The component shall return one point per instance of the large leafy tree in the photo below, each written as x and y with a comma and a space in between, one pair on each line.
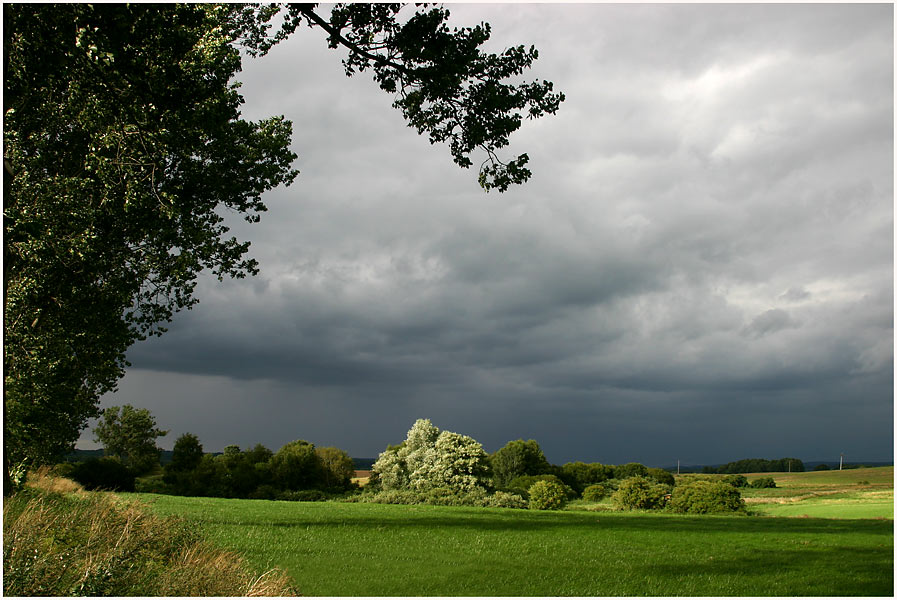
129, 434
123, 144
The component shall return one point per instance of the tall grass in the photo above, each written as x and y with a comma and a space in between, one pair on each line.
61, 541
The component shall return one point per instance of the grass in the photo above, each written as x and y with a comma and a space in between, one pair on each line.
342, 549
850, 494
59, 540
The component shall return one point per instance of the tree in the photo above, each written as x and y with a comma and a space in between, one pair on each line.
454, 461
296, 466
186, 454
123, 142
129, 434
337, 467
429, 459
517, 458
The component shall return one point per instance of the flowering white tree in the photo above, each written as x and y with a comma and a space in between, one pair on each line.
454, 461
429, 459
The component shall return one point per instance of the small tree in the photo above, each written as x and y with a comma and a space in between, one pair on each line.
763, 482
129, 434
547, 495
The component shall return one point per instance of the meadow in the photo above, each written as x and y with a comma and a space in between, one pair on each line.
343, 549
849, 494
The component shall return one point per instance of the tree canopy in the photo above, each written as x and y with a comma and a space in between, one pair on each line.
123, 144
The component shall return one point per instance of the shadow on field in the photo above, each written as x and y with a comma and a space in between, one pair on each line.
526, 521
871, 573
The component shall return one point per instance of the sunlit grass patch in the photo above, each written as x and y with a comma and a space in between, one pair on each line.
340, 549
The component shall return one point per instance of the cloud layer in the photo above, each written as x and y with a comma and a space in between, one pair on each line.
701, 267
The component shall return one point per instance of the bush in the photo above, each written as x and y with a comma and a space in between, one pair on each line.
706, 497
504, 500
595, 493
522, 485
96, 545
302, 496
104, 474
738, 481
640, 493
763, 482
660, 476
547, 495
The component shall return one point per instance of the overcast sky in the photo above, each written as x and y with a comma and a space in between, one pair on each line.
701, 268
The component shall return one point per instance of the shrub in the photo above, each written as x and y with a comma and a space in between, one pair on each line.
522, 485
503, 500
706, 497
640, 493
96, 545
630, 470
104, 474
660, 476
264, 492
302, 495
821, 467
547, 495
595, 493
738, 481
763, 482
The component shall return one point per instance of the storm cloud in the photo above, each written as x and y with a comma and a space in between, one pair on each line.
700, 269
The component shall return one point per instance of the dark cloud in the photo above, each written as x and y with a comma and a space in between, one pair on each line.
701, 268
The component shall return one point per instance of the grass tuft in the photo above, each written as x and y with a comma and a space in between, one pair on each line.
61, 541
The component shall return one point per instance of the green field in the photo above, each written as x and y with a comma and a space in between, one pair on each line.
340, 549
849, 494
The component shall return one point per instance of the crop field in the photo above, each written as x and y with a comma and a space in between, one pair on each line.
342, 549
849, 494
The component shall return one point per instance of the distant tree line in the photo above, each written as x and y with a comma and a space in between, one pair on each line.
298, 471
759, 465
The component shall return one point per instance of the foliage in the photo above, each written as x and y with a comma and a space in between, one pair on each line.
443, 84
430, 459
580, 475
186, 454
595, 492
522, 485
96, 545
104, 474
660, 476
123, 140
296, 466
123, 143
337, 467
129, 434
517, 458
547, 495
821, 467
706, 497
763, 482
630, 470
455, 461
759, 465
737, 480
640, 493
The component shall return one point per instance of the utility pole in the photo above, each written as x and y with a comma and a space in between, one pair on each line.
841, 464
